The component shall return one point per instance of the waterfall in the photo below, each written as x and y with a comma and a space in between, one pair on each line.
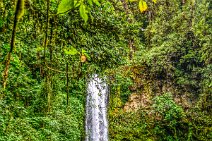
96, 110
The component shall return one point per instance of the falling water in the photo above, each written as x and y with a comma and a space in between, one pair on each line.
96, 110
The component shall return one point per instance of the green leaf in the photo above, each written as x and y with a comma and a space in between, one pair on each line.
96, 2
90, 2
77, 3
83, 12
1, 23
88, 57
65, 5
83, 51
71, 51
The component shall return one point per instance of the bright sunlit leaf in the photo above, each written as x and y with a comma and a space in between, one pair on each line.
83, 12
64, 6
96, 2
90, 2
142, 6
71, 51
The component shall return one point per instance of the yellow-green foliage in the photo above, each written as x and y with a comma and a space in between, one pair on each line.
19, 9
1, 4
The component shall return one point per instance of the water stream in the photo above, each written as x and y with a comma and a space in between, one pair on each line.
96, 110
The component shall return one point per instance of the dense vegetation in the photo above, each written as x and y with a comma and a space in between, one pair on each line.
158, 50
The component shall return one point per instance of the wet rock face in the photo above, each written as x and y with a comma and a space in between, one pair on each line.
137, 101
145, 87
184, 100
144, 101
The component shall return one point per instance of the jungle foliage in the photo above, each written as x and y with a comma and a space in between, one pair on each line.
158, 49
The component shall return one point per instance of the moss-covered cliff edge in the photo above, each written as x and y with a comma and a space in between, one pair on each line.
157, 109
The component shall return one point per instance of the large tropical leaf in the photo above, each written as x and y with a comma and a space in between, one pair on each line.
71, 51
65, 5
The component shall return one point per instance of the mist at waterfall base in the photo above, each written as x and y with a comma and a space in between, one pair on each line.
96, 110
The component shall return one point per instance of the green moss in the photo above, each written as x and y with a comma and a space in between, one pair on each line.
20, 9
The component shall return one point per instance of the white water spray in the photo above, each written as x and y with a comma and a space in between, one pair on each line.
96, 110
